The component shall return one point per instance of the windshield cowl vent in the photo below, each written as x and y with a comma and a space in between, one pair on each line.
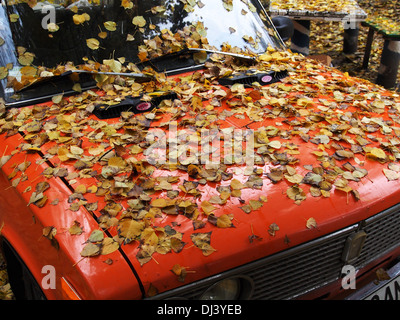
132, 104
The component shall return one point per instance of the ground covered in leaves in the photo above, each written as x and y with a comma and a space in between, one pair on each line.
327, 38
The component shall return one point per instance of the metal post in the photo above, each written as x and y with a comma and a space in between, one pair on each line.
301, 37
350, 39
390, 61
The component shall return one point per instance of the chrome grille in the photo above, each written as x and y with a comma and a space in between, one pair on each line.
301, 269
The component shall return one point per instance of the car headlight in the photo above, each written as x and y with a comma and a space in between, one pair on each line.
234, 288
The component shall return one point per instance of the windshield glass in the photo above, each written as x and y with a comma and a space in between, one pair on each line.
49, 34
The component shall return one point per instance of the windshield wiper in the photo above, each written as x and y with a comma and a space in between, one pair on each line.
185, 60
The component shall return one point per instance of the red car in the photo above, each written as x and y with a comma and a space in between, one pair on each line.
176, 150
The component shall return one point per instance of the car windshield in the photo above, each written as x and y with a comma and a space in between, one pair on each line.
49, 34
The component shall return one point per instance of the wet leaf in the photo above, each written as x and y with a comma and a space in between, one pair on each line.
391, 175
96, 236
108, 246
93, 43
75, 229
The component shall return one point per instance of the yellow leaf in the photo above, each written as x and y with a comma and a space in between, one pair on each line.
127, 4
224, 221
93, 43
117, 162
159, 203
207, 207
378, 153
311, 223
14, 17
236, 184
102, 35
76, 150
75, 229
109, 245
139, 21
78, 18
129, 228
114, 65
80, 189
110, 25
90, 250
3, 73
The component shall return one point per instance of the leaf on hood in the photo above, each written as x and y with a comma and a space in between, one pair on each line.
202, 241
130, 229
108, 245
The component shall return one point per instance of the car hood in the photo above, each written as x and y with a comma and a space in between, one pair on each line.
323, 157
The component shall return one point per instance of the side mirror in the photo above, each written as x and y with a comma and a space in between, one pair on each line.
284, 26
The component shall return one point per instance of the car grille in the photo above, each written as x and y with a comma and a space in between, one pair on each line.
301, 269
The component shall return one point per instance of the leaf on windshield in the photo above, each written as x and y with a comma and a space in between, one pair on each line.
157, 9
110, 25
114, 65
25, 58
93, 43
311, 223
